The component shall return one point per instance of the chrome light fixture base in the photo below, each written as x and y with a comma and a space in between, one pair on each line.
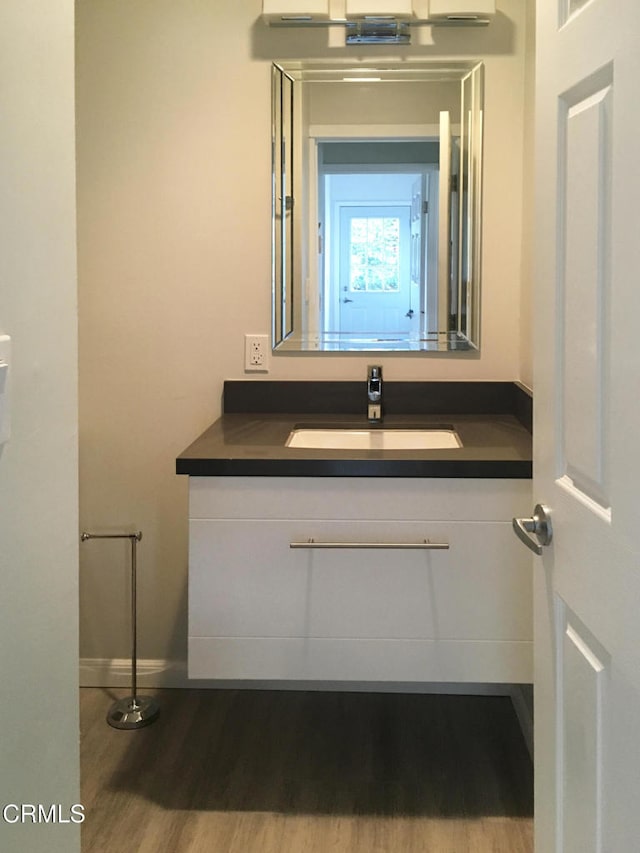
377, 31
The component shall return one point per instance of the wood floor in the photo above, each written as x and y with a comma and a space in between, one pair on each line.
228, 771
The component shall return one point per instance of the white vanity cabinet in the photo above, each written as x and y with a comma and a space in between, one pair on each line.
259, 609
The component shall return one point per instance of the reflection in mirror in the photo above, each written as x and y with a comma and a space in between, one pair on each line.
376, 206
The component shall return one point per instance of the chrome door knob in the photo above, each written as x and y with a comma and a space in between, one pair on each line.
536, 531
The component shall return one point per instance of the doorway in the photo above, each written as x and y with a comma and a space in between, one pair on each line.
372, 287
376, 209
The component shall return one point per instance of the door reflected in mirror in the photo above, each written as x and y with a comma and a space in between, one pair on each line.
376, 202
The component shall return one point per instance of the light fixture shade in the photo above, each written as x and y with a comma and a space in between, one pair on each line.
420, 9
397, 9
295, 11
461, 8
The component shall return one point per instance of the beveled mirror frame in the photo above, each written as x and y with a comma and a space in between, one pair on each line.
454, 324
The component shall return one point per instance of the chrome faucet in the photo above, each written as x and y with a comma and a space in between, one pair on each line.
374, 393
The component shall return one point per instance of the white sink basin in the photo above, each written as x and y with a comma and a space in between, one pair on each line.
374, 439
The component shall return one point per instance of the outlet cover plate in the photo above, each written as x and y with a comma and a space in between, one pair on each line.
256, 353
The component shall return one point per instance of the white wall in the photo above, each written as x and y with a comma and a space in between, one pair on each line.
38, 466
397, 103
174, 265
526, 292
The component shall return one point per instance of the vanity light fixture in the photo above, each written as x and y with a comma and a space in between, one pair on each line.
294, 12
377, 21
461, 11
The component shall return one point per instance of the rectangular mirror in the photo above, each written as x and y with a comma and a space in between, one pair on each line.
376, 204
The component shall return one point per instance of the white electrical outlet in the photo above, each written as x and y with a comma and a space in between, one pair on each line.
256, 353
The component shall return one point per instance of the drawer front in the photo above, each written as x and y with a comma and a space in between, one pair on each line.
355, 498
245, 581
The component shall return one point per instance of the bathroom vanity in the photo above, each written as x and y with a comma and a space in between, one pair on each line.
360, 565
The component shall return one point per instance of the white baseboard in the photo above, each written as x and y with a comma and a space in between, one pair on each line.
116, 672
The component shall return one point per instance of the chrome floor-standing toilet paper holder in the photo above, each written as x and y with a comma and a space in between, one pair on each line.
132, 712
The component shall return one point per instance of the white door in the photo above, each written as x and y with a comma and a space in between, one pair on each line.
587, 427
374, 282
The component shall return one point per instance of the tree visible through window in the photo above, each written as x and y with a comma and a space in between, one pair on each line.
374, 261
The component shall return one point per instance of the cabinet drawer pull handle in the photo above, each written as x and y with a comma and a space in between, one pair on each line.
425, 545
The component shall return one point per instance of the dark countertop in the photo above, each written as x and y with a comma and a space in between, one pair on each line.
253, 444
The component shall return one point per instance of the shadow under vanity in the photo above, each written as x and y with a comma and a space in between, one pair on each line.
333, 565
